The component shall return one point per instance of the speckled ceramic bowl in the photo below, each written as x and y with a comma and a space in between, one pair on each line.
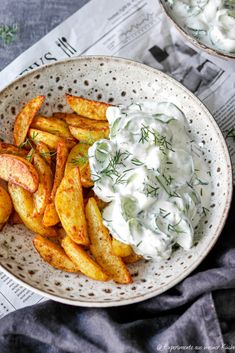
115, 81
212, 50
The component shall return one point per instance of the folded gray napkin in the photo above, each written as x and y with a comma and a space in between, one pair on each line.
198, 315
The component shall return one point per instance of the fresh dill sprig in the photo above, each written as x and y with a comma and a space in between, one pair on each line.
156, 116
174, 228
48, 154
205, 211
29, 156
8, 33
136, 162
79, 160
159, 140
164, 213
111, 169
95, 177
201, 182
168, 179
28, 141
140, 242
150, 190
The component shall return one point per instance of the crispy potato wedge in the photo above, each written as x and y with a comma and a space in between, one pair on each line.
44, 152
88, 108
70, 208
101, 245
88, 136
79, 121
19, 171
100, 203
24, 206
85, 172
5, 206
121, 249
52, 125
61, 159
78, 157
49, 139
85, 263
15, 219
50, 217
7, 148
54, 254
132, 258
42, 195
25, 118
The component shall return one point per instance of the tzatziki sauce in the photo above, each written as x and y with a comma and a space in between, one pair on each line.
153, 176
210, 21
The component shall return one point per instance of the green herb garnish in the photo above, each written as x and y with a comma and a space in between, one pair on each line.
8, 33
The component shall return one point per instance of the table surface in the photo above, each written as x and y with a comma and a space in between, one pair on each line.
35, 18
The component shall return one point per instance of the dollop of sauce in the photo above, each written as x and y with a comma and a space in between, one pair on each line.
210, 21
153, 176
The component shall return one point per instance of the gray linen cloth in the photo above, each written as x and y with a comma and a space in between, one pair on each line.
197, 315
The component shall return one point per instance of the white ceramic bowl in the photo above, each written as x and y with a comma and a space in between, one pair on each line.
116, 81
212, 50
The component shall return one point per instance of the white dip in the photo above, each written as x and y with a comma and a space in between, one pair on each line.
154, 177
210, 21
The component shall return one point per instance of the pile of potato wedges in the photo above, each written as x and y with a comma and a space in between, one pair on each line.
46, 185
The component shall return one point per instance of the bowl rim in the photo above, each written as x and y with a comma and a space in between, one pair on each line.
204, 47
183, 274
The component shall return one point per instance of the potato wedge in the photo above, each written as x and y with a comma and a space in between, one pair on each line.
121, 249
49, 139
80, 258
88, 108
15, 219
88, 136
100, 203
5, 206
61, 159
54, 254
7, 148
19, 171
44, 151
50, 217
52, 125
79, 121
25, 118
132, 258
24, 206
85, 172
42, 195
78, 156
70, 208
101, 245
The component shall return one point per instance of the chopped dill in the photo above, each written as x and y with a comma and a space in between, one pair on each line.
205, 211
8, 33
29, 140
136, 162
173, 228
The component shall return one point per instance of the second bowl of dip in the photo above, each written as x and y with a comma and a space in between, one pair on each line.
208, 24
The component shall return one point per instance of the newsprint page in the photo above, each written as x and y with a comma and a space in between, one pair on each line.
135, 29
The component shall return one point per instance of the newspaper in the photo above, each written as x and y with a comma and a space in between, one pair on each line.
135, 29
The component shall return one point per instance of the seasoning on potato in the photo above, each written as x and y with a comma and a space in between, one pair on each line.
49, 190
